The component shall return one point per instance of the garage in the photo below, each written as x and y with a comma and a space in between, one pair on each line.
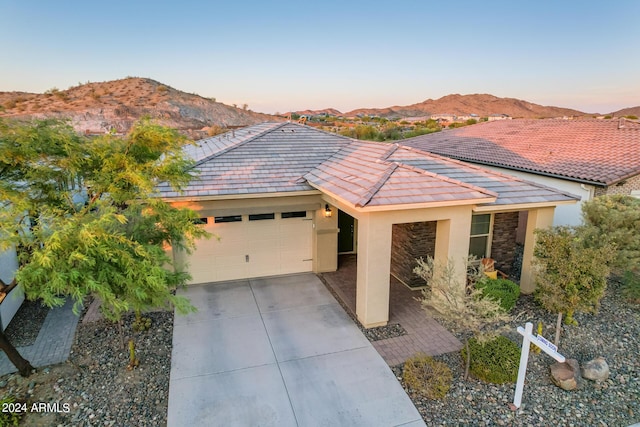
253, 245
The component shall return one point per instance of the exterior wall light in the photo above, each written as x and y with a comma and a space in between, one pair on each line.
327, 211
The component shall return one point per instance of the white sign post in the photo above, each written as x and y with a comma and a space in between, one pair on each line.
539, 341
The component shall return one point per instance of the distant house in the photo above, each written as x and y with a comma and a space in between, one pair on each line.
493, 117
586, 157
287, 198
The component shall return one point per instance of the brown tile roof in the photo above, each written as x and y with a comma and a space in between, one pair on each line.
601, 152
286, 157
359, 174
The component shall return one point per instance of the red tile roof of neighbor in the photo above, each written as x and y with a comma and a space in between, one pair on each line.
600, 152
288, 157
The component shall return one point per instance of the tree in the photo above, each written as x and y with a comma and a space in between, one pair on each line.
463, 306
86, 214
571, 275
615, 220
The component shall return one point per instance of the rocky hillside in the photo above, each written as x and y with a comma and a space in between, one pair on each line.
116, 105
482, 105
631, 111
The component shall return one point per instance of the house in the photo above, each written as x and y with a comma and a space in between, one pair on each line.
286, 198
586, 157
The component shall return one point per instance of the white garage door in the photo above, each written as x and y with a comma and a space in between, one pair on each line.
253, 246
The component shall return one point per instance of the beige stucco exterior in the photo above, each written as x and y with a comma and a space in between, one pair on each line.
374, 234
540, 218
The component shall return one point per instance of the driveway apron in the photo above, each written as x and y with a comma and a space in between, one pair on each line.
278, 351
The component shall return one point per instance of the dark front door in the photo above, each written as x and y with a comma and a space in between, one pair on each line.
345, 236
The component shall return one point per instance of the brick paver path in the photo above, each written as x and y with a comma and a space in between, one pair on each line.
424, 334
53, 343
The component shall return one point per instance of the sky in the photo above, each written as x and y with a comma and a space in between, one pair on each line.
287, 56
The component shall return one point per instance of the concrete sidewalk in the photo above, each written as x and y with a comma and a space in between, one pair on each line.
278, 351
53, 343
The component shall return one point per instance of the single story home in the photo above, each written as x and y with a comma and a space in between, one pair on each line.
286, 198
586, 157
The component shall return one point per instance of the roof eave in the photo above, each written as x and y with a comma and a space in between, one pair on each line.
522, 206
242, 196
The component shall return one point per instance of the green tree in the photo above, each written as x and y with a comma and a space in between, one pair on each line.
87, 216
571, 274
615, 220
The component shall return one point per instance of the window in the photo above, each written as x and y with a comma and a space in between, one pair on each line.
296, 214
231, 218
260, 217
480, 235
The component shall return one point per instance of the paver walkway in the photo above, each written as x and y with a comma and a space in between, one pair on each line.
278, 351
53, 343
424, 334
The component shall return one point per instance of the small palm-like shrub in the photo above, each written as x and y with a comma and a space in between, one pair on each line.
427, 377
495, 361
503, 290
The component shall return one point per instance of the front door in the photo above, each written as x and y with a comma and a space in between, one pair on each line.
346, 225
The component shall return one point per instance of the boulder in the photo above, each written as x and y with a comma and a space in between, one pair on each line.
566, 375
596, 369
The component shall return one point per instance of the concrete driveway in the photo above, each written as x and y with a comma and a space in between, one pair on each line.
278, 351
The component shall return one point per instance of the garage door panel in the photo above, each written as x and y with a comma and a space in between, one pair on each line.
273, 246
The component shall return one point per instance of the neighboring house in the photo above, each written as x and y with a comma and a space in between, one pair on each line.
286, 198
586, 157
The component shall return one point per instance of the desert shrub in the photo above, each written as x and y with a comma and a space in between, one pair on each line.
572, 274
11, 103
495, 361
426, 376
9, 418
631, 286
162, 88
503, 290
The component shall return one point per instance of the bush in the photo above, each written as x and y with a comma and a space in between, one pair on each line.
495, 361
9, 418
503, 290
631, 286
427, 377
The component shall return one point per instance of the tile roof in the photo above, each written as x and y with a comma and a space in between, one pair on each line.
510, 190
286, 157
601, 152
264, 158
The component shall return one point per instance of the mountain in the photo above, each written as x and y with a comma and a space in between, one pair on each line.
481, 104
116, 105
631, 111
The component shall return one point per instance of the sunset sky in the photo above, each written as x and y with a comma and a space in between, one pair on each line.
281, 56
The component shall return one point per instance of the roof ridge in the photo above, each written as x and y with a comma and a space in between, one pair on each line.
390, 151
447, 179
240, 143
378, 185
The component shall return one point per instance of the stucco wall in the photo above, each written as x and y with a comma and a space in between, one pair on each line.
624, 188
409, 242
503, 242
564, 214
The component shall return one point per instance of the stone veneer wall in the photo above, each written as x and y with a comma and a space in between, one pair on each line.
503, 243
408, 242
629, 185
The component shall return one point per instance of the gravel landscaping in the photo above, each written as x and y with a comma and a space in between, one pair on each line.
23, 329
100, 391
613, 333
95, 383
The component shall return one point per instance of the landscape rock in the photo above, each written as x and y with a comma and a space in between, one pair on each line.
596, 369
566, 375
